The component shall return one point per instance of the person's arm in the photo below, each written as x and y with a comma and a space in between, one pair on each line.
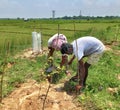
51, 50
64, 60
71, 60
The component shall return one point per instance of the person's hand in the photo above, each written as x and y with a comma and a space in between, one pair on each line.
68, 73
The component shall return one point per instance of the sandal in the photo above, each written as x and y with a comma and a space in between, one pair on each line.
74, 78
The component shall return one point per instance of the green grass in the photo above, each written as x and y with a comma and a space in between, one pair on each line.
95, 96
102, 76
21, 70
19, 32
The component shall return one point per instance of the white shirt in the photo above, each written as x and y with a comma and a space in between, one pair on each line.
87, 45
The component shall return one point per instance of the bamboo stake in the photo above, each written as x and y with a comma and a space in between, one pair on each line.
41, 38
57, 36
77, 92
43, 108
78, 74
51, 77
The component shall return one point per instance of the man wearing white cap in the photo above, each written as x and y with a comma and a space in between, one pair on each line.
54, 43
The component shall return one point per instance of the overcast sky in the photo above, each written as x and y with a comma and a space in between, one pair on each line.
43, 8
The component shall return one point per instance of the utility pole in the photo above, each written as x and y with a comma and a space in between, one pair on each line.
80, 15
53, 14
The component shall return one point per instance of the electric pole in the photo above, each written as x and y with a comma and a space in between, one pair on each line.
53, 14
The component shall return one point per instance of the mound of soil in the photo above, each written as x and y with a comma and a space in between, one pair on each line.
31, 96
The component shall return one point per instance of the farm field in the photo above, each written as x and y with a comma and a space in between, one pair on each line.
22, 82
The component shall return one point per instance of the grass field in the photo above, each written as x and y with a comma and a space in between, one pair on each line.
103, 84
21, 31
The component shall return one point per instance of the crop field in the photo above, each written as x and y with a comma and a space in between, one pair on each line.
103, 84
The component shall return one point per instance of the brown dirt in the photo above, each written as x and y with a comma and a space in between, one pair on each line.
28, 53
31, 95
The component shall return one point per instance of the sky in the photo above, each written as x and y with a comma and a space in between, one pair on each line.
44, 8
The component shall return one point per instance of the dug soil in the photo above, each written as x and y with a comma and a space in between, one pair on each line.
32, 96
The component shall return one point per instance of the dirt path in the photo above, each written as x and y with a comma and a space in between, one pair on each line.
31, 95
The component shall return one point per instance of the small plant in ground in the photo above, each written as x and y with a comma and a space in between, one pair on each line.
53, 73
